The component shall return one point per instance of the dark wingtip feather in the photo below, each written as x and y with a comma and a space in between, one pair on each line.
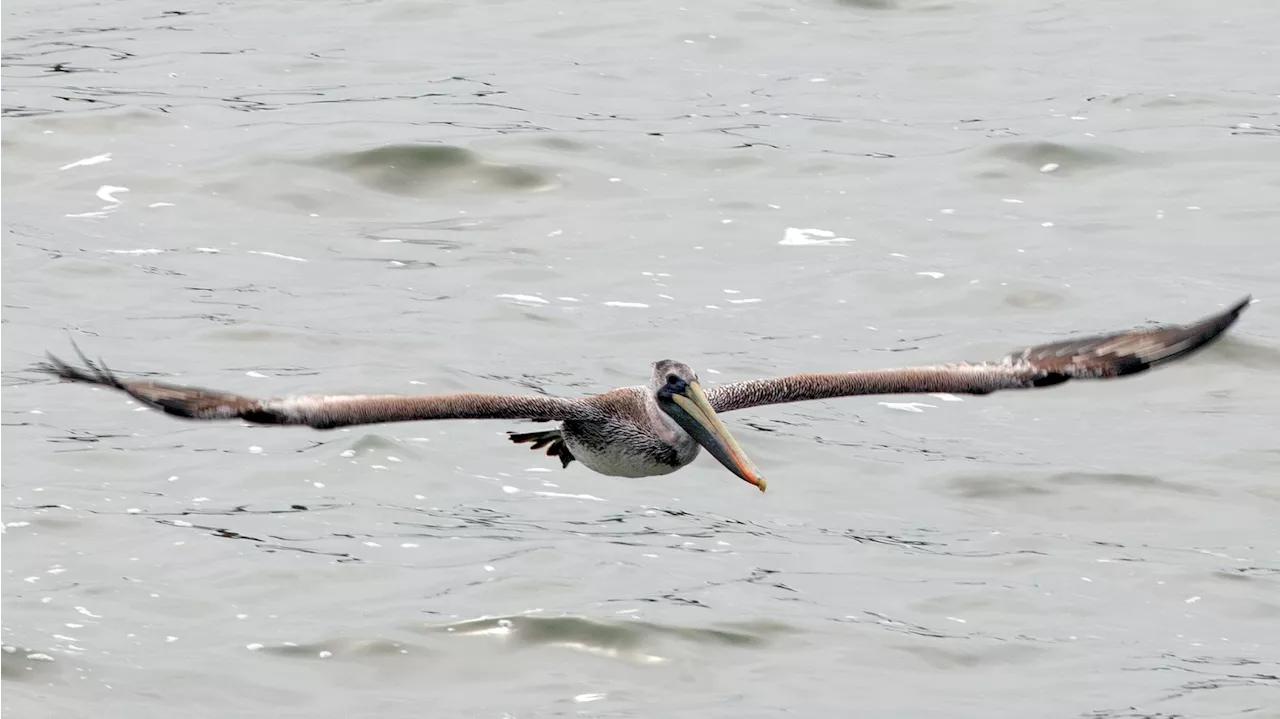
1236, 310
185, 402
1125, 353
1222, 321
1178, 342
91, 373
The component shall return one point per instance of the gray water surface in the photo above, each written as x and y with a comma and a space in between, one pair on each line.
280, 197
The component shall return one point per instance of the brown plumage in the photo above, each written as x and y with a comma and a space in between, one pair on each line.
1098, 357
658, 428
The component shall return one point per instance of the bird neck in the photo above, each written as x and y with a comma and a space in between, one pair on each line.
667, 428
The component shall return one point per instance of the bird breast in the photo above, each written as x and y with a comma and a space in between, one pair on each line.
623, 449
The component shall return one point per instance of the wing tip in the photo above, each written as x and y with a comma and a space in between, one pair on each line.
90, 373
1186, 339
1127, 353
187, 403
1240, 306
1209, 329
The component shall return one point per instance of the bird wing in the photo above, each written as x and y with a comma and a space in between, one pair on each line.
321, 411
1098, 357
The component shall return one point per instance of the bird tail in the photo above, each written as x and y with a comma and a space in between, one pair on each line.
541, 439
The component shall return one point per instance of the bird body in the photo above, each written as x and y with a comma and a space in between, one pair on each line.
660, 427
648, 442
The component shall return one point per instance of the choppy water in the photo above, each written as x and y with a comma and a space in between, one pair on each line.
388, 196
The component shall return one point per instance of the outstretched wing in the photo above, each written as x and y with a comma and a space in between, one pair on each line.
319, 411
1099, 357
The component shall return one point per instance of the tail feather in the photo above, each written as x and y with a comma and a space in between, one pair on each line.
541, 439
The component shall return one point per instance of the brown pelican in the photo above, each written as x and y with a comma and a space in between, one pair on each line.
658, 428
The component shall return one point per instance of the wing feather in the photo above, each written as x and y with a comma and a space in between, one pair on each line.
320, 411
1097, 357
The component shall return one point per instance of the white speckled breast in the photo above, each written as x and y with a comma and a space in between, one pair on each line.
624, 449
617, 460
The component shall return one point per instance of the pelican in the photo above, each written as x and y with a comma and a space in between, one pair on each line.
658, 428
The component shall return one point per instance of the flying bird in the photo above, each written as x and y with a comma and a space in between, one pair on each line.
659, 427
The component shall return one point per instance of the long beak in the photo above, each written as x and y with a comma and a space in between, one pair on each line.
702, 422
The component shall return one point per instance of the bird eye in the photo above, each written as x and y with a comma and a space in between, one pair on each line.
672, 379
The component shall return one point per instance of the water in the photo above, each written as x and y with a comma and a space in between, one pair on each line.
407, 197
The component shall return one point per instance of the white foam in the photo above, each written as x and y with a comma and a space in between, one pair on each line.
945, 397
95, 160
526, 299
796, 236
277, 255
146, 251
106, 193
934, 275
906, 406
625, 304
570, 496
